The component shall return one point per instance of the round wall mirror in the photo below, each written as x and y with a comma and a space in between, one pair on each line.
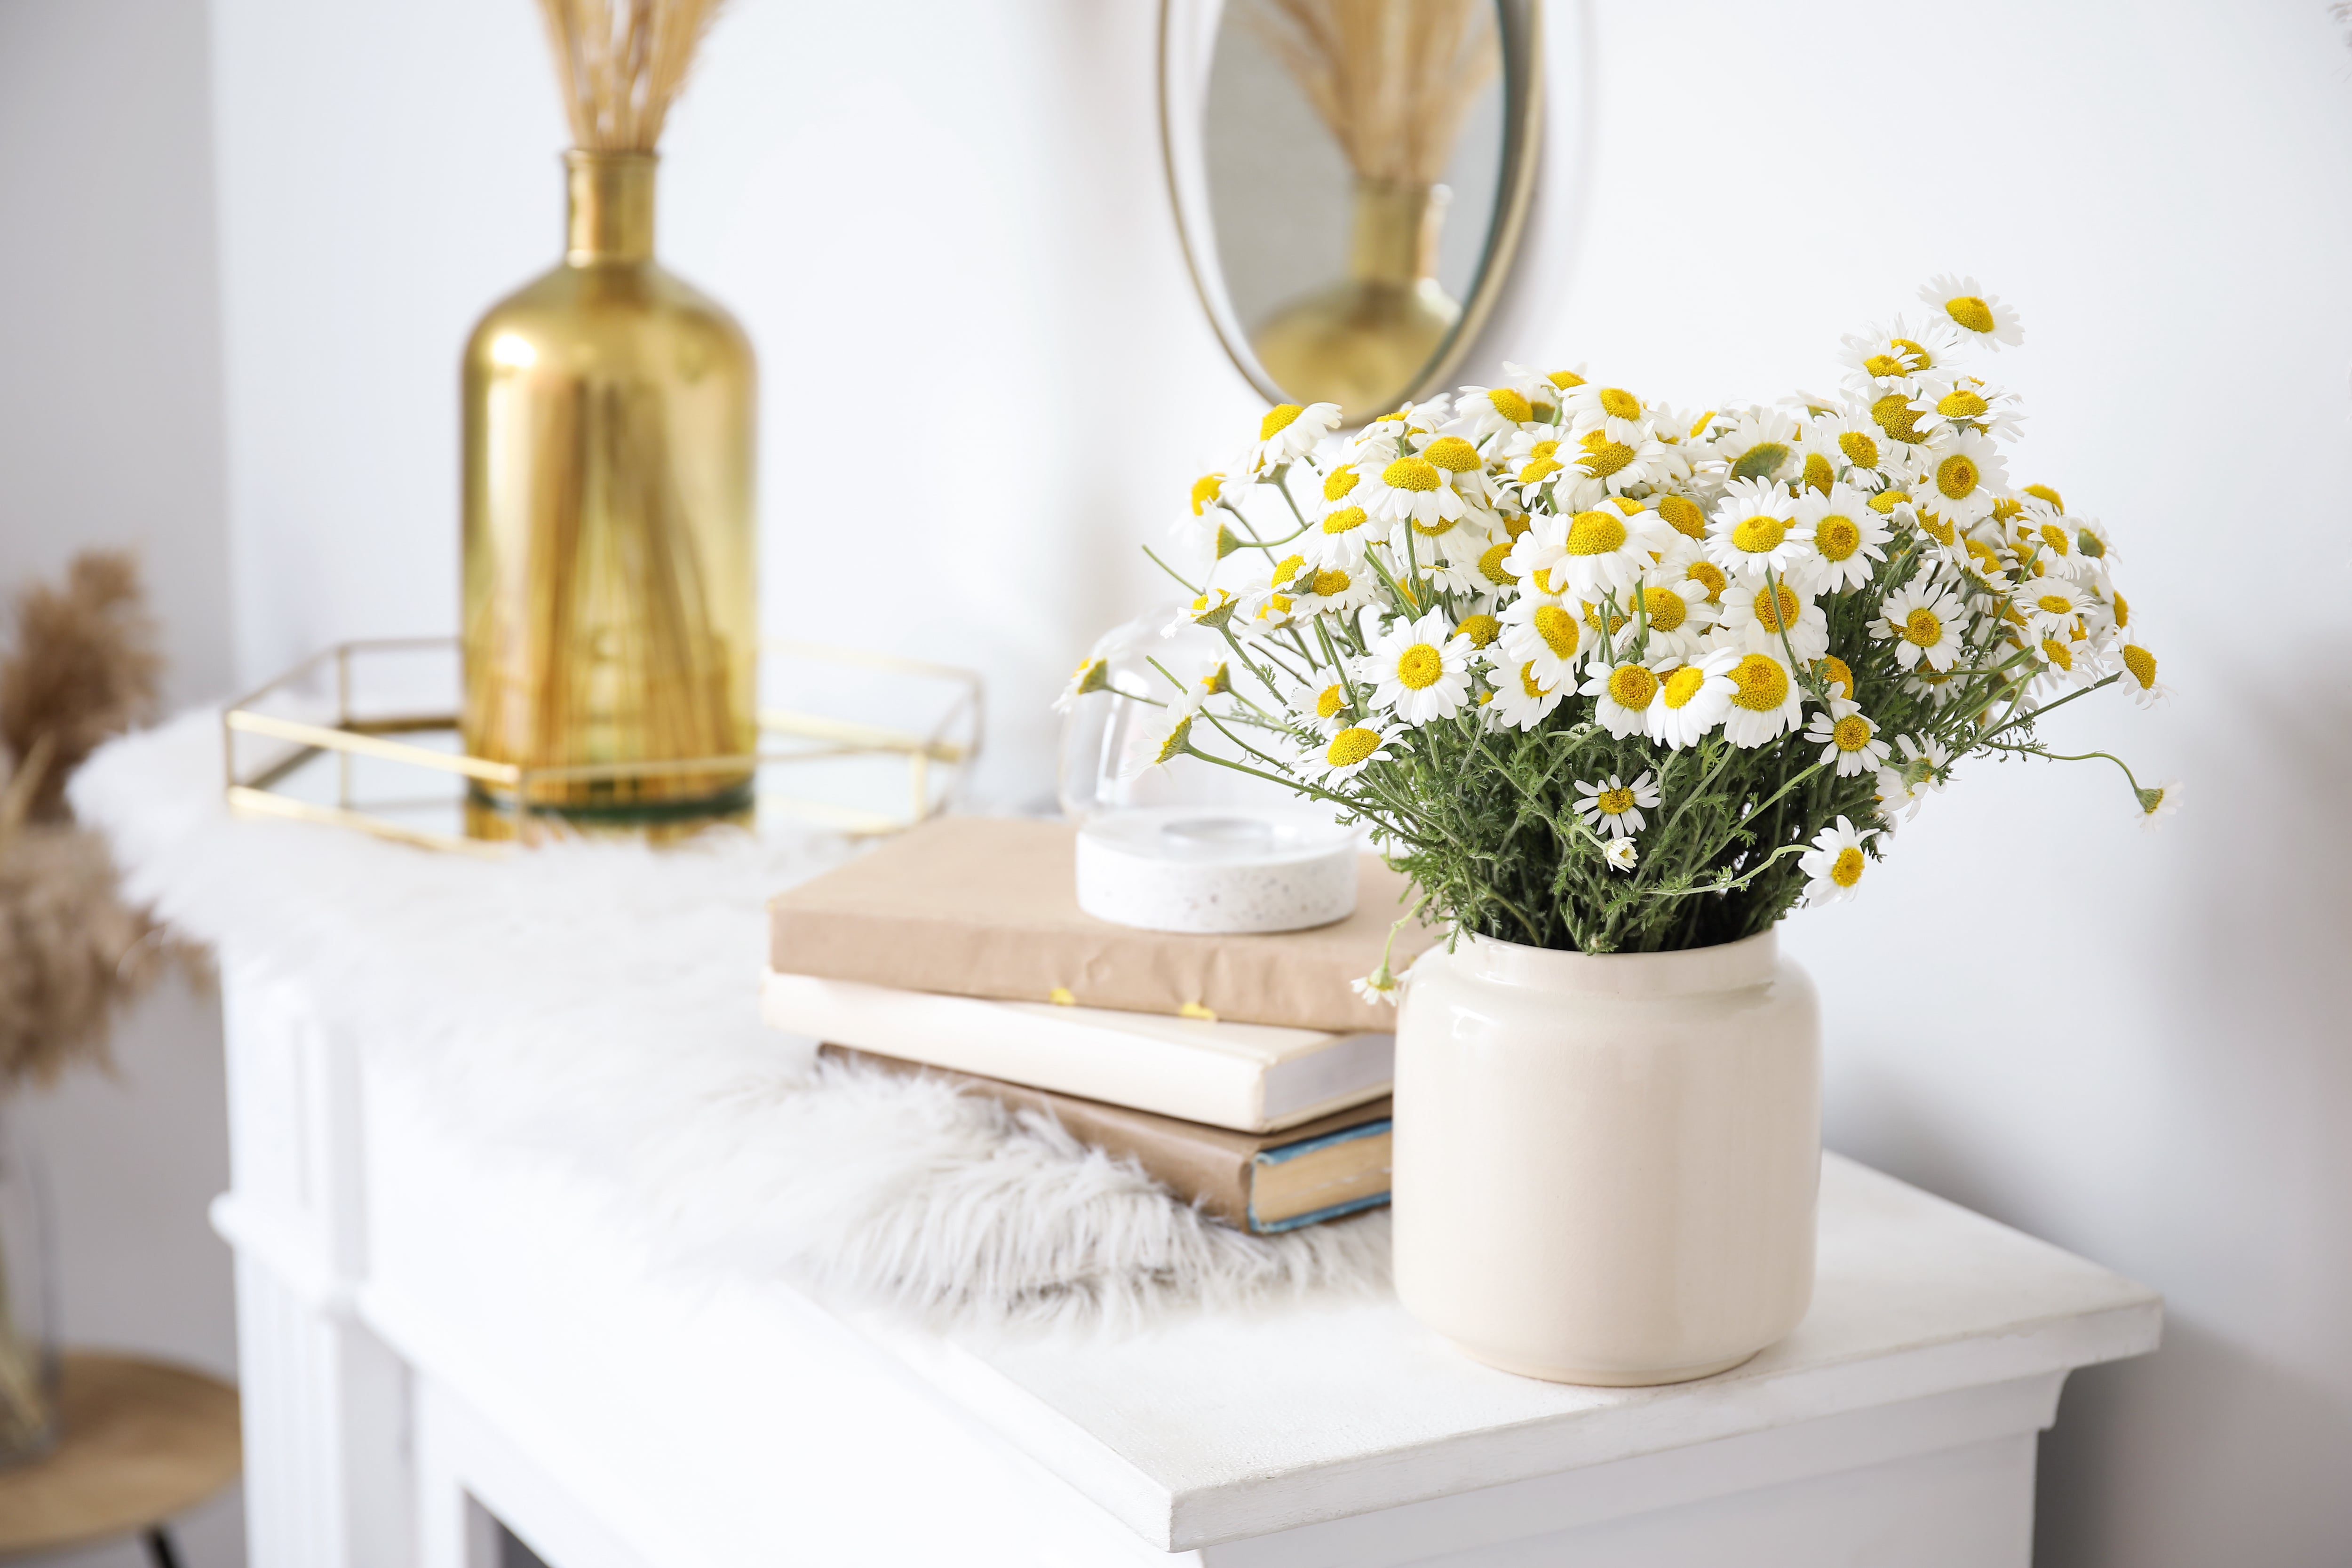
1349, 177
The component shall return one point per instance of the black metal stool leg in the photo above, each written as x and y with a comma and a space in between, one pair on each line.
160, 1549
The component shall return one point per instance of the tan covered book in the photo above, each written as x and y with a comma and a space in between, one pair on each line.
1265, 1183
976, 906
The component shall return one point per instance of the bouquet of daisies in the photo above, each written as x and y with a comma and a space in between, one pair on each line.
1602, 674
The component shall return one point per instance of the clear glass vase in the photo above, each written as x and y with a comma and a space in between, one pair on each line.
28, 1352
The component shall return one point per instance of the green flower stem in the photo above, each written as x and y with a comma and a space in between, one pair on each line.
1173, 572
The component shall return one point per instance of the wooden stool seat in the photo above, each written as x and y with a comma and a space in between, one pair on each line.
142, 1441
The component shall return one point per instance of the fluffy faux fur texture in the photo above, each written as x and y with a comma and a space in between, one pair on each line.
595, 1004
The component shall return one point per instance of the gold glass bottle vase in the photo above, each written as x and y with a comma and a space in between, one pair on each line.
611, 612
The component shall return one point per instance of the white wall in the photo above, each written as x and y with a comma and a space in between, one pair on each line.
110, 434
947, 235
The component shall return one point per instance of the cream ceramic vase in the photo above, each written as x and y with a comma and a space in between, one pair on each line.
1606, 1165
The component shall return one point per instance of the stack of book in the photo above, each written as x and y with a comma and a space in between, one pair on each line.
1242, 1072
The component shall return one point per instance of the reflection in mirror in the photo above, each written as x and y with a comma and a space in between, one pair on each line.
1349, 174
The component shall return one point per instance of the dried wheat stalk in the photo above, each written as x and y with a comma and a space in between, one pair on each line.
1391, 79
84, 670
622, 63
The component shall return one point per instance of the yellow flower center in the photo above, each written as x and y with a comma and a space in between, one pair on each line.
1955, 476
2043, 492
1760, 462
1490, 564
1205, 490
1763, 684
1619, 404
1923, 627
1837, 537
1960, 403
2007, 509
1528, 682
1935, 527
1708, 575
1329, 582
1511, 405
2056, 604
1852, 733
1895, 414
1914, 354
1759, 536
1517, 522
1544, 583
1330, 700
1616, 621
1435, 527
1777, 609
1684, 516
1633, 686
1595, 533
1453, 454
1419, 666
1835, 673
1352, 746
1564, 379
1846, 870
1277, 419
1411, 474
1701, 423
1605, 459
1338, 482
1535, 473
1557, 629
1613, 801
1665, 609
1678, 689
1818, 473
1884, 365
2142, 665
2122, 612
2056, 537
1859, 449
1971, 312
2058, 653
1480, 629
1884, 502
1346, 518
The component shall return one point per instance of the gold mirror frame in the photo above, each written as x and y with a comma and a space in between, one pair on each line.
1188, 38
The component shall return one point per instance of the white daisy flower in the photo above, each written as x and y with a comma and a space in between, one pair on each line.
1523, 699
1758, 445
1338, 539
1544, 632
2155, 804
1693, 698
1686, 515
1589, 553
2094, 541
1968, 403
1938, 689
1612, 410
1755, 528
1621, 855
1848, 738
1289, 431
1334, 589
1834, 864
1346, 754
1094, 675
1615, 808
1207, 491
1409, 489
2069, 661
1544, 388
1675, 613
2139, 674
1418, 670
1623, 694
2052, 605
1465, 469
1380, 986
1857, 449
1761, 616
1170, 731
1921, 770
1888, 359
1320, 705
1898, 414
2051, 542
1923, 618
1981, 315
1969, 474
1480, 412
1214, 608
1766, 704
1847, 538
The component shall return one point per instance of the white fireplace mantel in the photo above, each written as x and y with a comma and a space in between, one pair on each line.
432, 1333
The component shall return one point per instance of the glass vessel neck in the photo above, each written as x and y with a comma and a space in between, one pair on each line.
609, 212
1395, 233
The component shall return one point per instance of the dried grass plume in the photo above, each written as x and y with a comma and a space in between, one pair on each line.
1391, 79
621, 64
84, 670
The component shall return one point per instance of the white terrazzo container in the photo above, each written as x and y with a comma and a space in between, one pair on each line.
1217, 869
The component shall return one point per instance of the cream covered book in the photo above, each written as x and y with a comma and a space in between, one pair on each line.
1253, 1078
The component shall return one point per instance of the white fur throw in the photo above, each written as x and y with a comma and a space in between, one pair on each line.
596, 1003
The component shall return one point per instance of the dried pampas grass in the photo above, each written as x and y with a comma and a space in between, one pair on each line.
84, 670
622, 63
1391, 79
